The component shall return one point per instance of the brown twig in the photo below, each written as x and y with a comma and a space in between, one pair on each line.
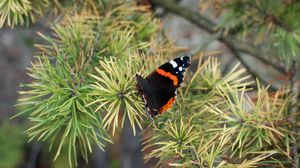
207, 25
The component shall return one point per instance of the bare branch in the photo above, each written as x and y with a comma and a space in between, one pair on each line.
250, 71
206, 24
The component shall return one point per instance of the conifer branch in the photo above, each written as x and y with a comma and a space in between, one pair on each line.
83, 91
254, 74
84, 80
206, 24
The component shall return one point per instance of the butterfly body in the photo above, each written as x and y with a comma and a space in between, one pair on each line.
158, 89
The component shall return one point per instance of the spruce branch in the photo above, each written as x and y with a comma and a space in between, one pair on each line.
260, 113
84, 77
234, 129
60, 108
15, 12
238, 127
84, 86
174, 141
57, 100
115, 93
204, 84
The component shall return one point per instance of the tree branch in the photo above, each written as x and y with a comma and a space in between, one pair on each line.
206, 24
295, 85
250, 71
34, 154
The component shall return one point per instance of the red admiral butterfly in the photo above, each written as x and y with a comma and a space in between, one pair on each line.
158, 89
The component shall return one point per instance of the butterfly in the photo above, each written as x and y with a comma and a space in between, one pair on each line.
158, 89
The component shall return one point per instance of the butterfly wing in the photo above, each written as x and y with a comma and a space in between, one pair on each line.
158, 89
171, 71
148, 93
165, 80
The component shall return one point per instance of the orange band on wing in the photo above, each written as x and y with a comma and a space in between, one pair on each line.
168, 105
168, 75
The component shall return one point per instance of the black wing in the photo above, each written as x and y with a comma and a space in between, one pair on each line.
165, 80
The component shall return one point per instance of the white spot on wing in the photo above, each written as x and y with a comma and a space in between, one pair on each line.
174, 64
180, 68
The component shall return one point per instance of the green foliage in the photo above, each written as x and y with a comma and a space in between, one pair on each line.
62, 114
84, 80
253, 123
20, 12
173, 141
272, 23
60, 94
24, 12
12, 141
207, 81
217, 124
84, 87
115, 92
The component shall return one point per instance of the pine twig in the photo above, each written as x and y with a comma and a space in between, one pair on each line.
57, 4
207, 25
295, 85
